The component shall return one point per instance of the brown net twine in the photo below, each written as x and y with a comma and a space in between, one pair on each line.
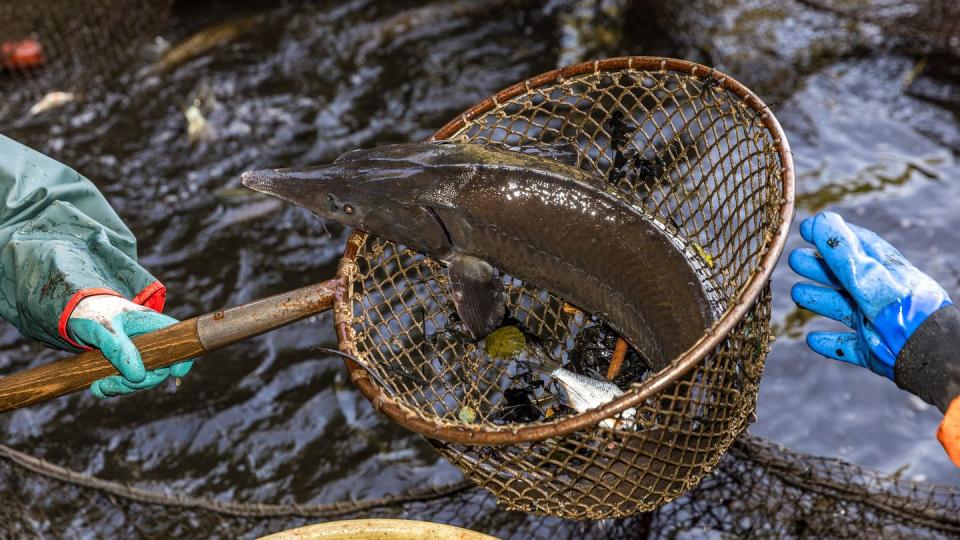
82, 46
758, 490
689, 147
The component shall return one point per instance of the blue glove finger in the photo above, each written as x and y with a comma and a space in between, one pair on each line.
842, 346
825, 301
865, 278
116, 347
96, 390
806, 262
116, 385
181, 369
881, 358
806, 229
154, 378
135, 323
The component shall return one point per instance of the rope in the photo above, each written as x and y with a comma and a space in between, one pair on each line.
229, 508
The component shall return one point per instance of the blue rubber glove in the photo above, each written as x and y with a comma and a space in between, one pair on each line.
865, 283
107, 323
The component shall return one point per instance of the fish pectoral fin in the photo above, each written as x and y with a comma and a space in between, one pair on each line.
478, 294
563, 152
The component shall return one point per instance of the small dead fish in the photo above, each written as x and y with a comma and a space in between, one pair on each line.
53, 100
198, 129
585, 393
203, 42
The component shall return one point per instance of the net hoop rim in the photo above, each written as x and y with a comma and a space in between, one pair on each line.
680, 365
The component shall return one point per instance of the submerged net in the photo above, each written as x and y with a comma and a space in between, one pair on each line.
70, 47
758, 490
695, 152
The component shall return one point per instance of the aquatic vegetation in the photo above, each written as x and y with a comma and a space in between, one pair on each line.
704, 254
593, 351
467, 414
505, 342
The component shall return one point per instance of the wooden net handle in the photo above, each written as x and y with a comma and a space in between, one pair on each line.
187, 339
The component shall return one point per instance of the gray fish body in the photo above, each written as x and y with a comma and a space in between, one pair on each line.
585, 393
550, 224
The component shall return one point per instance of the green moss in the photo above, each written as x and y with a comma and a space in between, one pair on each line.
505, 342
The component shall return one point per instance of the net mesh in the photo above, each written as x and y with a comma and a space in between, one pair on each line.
758, 490
82, 46
680, 147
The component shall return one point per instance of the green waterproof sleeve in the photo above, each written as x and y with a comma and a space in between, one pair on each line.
60, 241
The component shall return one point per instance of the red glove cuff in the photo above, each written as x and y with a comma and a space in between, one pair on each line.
152, 296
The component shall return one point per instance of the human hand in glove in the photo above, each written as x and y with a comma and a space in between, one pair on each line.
67, 265
107, 323
865, 283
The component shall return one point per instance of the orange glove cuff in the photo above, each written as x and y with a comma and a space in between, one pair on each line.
949, 432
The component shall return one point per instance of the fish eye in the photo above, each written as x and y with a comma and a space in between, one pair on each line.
348, 209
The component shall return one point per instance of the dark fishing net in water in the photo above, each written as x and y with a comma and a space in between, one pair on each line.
69, 49
758, 490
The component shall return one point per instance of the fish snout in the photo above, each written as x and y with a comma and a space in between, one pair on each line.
283, 184
261, 180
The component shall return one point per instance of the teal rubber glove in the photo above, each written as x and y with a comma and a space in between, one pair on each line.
865, 283
107, 323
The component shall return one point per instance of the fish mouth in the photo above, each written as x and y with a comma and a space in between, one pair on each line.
300, 187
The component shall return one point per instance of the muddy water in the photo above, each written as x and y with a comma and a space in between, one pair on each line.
277, 420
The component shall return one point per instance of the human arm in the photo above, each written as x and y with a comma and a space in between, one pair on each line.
63, 248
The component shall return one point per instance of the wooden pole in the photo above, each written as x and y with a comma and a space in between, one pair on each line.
187, 339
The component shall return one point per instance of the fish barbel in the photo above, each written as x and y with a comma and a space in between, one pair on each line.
479, 208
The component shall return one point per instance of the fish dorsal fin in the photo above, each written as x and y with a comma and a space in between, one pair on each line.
564, 152
477, 294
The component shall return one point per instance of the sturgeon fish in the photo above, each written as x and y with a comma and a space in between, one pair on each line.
479, 208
